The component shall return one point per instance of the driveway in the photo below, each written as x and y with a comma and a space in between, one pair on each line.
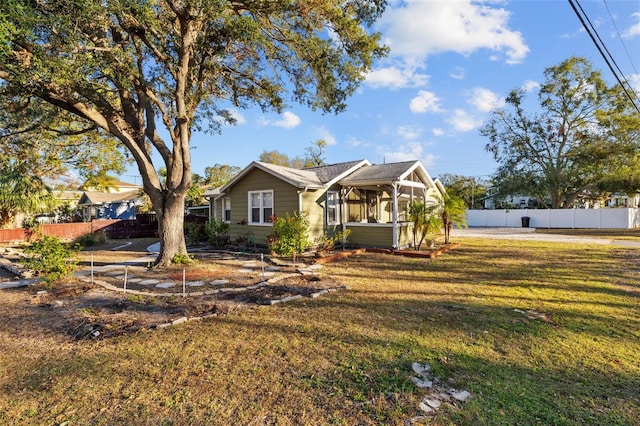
529, 234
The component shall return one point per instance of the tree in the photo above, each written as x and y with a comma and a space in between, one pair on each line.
21, 192
151, 72
453, 212
314, 153
38, 145
219, 174
313, 157
471, 189
275, 157
585, 132
426, 222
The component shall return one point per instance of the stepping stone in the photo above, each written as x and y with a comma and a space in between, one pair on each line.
134, 280
267, 274
195, 283
112, 273
165, 285
315, 267
246, 271
16, 284
149, 282
106, 268
250, 265
82, 273
273, 268
219, 282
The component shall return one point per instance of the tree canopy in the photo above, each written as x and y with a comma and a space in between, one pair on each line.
151, 72
579, 146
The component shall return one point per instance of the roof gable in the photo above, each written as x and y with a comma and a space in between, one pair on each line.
387, 173
91, 198
328, 174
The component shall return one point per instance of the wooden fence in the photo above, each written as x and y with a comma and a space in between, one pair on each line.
64, 231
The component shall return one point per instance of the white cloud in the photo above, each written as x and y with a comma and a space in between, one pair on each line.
437, 131
425, 102
238, 116
323, 133
634, 81
289, 120
529, 86
463, 121
457, 73
416, 29
409, 151
396, 78
484, 100
408, 146
634, 30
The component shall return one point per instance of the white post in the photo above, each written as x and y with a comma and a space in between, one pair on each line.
396, 243
126, 270
184, 282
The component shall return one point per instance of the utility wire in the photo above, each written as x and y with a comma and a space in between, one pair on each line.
593, 38
624, 46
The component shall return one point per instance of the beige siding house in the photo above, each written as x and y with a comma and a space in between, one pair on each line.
370, 200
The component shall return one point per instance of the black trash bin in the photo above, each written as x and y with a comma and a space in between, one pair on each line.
525, 221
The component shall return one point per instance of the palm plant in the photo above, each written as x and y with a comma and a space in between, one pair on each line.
426, 222
453, 211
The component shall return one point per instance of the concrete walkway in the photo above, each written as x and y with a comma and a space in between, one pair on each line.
529, 234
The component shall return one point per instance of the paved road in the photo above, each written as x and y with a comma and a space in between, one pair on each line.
529, 234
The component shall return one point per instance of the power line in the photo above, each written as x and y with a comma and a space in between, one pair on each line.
624, 46
591, 31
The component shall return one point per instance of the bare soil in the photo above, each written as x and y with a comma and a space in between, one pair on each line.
98, 307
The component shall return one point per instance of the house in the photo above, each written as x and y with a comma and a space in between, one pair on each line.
109, 205
369, 200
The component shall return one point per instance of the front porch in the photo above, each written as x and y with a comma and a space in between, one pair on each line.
375, 200
380, 234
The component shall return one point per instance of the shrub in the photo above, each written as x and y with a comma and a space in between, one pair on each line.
193, 232
290, 234
50, 258
217, 232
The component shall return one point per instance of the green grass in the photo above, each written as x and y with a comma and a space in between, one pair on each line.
617, 234
345, 358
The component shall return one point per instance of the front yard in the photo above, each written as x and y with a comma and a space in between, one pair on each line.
537, 333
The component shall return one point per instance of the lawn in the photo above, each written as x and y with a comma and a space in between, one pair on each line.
538, 333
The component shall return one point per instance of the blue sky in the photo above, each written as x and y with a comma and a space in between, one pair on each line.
450, 63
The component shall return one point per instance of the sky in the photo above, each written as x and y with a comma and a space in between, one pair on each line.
450, 63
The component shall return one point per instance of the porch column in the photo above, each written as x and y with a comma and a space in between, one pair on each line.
394, 216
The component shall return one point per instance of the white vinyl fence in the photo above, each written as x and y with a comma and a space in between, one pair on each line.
624, 218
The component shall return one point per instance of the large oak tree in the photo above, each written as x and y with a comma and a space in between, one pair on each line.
579, 145
151, 72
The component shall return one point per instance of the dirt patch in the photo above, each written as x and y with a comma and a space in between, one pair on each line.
117, 294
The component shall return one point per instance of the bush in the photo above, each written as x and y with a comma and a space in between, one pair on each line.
50, 258
217, 232
290, 234
193, 232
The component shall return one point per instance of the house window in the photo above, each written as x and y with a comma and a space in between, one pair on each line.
332, 207
226, 209
260, 206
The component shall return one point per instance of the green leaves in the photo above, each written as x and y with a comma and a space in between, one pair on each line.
585, 133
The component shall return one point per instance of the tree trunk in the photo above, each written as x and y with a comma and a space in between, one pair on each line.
170, 216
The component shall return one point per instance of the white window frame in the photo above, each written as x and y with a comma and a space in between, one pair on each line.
332, 205
226, 207
263, 217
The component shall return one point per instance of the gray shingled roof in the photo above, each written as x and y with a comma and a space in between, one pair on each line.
294, 176
330, 172
379, 172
